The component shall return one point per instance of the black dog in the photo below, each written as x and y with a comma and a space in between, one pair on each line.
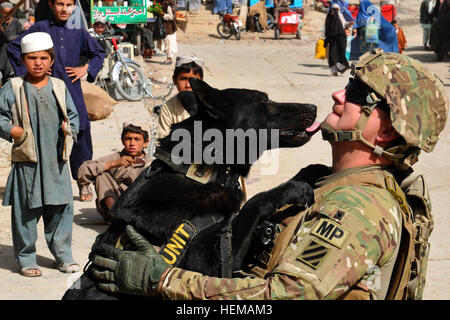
186, 209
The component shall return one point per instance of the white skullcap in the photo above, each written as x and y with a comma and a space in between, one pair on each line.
335, 6
36, 41
188, 59
6, 4
100, 20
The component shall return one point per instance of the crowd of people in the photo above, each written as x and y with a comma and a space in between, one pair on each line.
42, 107
347, 37
30, 53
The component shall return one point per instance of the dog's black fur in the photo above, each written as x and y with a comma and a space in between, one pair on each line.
157, 205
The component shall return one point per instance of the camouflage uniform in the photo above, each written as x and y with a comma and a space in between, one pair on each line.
365, 216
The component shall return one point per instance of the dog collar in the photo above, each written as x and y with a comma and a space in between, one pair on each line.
202, 173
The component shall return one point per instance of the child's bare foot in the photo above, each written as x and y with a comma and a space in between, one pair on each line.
86, 197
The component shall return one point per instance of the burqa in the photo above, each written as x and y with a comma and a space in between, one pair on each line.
336, 39
387, 38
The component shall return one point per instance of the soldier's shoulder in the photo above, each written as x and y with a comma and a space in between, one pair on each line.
359, 197
366, 204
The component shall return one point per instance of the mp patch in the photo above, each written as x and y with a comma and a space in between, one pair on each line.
331, 231
313, 254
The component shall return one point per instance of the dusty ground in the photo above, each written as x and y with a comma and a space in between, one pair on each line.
287, 70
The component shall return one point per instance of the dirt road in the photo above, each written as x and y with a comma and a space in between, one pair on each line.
287, 70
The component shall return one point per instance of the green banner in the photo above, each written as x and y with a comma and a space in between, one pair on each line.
115, 15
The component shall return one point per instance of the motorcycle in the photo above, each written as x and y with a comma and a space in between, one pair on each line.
229, 25
121, 73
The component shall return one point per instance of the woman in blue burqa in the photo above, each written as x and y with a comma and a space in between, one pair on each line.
387, 38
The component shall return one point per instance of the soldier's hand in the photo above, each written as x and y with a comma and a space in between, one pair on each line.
129, 272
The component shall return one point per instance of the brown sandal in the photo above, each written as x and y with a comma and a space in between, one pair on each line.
31, 272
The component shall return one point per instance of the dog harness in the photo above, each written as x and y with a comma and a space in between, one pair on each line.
202, 173
178, 243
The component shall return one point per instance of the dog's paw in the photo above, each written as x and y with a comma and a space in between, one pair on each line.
294, 192
312, 173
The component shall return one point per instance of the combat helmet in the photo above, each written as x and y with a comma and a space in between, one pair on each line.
417, 101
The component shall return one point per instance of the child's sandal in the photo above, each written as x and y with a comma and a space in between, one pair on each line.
31, 272
86, 193
67, 267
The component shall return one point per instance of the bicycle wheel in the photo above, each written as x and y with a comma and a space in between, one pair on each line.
224, 30
131, 89
270, 21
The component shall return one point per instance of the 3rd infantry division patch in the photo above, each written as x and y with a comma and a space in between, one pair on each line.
313, 254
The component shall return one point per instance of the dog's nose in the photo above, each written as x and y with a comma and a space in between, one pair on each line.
309, 110
312, 107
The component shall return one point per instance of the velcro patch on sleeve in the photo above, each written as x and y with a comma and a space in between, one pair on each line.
331, 232
313, 254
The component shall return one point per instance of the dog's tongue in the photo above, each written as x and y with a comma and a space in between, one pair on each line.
313, 128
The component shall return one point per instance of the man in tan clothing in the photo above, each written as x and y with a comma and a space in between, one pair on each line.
280, 6
113, 173
172, 112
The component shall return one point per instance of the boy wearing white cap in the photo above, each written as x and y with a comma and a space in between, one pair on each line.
70, 41
37, 113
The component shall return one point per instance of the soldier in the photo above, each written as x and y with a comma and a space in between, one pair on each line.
347, 243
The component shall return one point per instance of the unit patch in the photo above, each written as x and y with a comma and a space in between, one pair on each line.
331, 232
313, 254
174, 250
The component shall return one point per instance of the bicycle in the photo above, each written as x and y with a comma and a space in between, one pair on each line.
122, 73
156, 109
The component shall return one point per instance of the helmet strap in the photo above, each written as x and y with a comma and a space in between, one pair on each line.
330, 134
395, 154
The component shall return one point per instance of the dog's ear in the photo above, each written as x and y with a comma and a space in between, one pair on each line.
188, 101
208, 96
